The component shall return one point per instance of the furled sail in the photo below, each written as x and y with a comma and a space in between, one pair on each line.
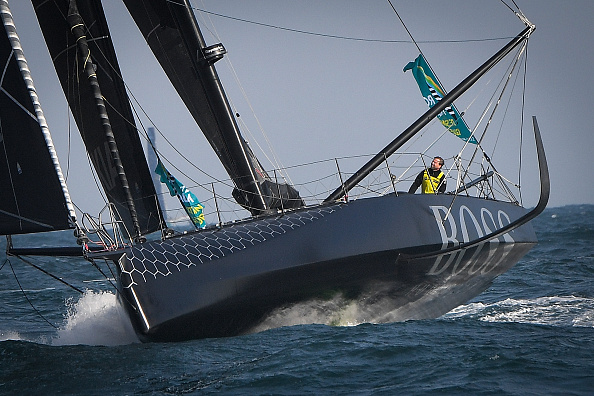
171, 31
100, 106
29, 167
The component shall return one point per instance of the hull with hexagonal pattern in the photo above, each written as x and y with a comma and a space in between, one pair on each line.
388, 256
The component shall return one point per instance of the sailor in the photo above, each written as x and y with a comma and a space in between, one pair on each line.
431, 179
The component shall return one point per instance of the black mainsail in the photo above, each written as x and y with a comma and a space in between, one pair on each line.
34, 195
79, 42
171, 31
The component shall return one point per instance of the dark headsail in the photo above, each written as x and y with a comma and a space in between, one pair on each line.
171, 30
33, 196
100, 106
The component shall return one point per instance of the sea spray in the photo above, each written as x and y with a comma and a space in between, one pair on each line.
97, 318
337, 311
374, 305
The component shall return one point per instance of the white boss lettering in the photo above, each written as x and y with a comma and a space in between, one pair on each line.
465, 227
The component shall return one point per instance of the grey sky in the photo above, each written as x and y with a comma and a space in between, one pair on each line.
319, 97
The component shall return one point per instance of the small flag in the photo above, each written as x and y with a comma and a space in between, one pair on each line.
432, 93
188, 200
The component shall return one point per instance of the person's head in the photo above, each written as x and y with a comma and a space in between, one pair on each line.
437, 163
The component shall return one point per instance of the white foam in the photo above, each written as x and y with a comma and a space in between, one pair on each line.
337, 311
569, 311
374, 306
10, 336
96, 318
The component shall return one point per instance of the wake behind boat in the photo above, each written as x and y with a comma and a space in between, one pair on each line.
402, 256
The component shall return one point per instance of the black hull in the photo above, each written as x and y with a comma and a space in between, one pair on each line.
225, 282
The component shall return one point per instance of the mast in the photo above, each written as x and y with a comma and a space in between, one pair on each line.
429, 115
172, 32
235, 144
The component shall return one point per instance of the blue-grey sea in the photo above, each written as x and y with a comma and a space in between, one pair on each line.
530, 333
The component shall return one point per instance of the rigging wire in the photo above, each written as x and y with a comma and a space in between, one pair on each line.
496, 106
25, 294
215, 34
275, 160
298, 31
45, 272
30, 263
522, 122
513, 68
405, 28
343, 37
276, 163
478, 147
144, 134
435, 74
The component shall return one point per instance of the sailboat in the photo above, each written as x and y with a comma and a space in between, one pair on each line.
418, 255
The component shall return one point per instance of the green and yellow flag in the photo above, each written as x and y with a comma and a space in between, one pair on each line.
432, 93
188, 200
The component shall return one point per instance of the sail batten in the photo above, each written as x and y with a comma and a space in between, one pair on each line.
29, 165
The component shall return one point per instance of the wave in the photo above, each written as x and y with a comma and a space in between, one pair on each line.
562, 311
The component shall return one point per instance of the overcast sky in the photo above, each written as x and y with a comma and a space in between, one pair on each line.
319, 97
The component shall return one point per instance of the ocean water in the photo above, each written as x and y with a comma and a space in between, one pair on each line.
531, 333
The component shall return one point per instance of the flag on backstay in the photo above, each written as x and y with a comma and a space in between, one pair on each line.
188, 200
432, 93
